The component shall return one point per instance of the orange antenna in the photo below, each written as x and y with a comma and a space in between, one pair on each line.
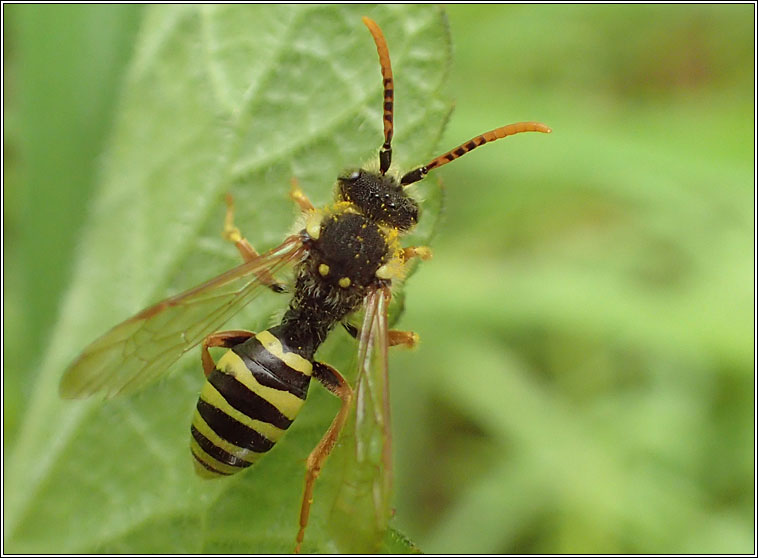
385, 153
498, 133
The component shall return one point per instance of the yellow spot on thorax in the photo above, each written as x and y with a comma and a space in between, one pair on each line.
313, 225
384, 272
394, 269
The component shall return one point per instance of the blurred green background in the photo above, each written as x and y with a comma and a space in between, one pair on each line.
585, 378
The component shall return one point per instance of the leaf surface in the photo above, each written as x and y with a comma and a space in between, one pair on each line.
217, 99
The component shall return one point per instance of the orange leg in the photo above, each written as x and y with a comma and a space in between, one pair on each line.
422, 252
299, 197
246, 250
226, 339
394, 336
407, 338
335, 383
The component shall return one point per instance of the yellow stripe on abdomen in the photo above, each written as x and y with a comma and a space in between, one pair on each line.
287, 403
293, 360
208, 466
241, 453
211, 395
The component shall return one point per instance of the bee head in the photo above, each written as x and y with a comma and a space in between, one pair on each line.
381, 198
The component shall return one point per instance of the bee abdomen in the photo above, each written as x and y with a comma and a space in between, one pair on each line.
249, 400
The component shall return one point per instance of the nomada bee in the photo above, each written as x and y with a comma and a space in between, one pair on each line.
346, 258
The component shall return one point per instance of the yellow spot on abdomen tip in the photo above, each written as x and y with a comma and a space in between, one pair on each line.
323, 269
344, 282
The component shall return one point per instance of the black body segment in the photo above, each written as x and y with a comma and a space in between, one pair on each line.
241, 398
232, 430
269, 370
216, 452
352, 247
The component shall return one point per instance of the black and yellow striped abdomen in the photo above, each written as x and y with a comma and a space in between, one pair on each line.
249, 400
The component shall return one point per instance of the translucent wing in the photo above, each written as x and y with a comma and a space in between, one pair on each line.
362, 509
142, 348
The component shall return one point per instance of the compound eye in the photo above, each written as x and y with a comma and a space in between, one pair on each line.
355, 175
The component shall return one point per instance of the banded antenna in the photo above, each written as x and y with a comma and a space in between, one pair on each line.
385, 153
498, 133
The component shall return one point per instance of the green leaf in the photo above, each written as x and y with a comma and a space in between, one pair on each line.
63, 66
217, 99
